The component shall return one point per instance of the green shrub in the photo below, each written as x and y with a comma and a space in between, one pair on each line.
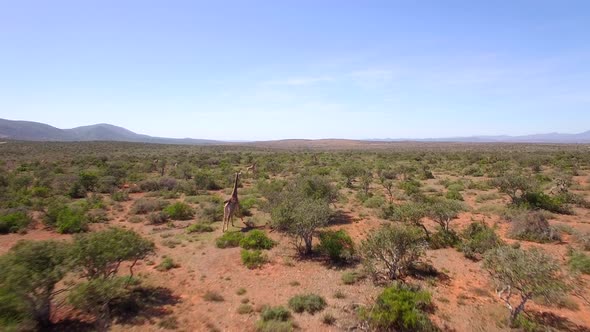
400, 308
540, 200
120, 196
179, 211
454, 195
167, 264
71, 220
351, 278
579, 262
253, 258
146, 205
444, 239
375, 202
338, 245
533, 226
12, 221
256, 239
248, 203
479, 238
278, 313
212, 212
200, 228
274, 326
311, 303
157, 218
229, 240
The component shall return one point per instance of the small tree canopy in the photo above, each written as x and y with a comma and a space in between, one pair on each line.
99, 254
30, 271
529, 273
444, 210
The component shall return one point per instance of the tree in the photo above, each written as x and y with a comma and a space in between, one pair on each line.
366, 179
101, 253
389, 252
444, 210
30, 272
529, 273
410, 213
516, 186
350, 171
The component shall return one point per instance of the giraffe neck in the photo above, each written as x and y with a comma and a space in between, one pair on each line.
234, 193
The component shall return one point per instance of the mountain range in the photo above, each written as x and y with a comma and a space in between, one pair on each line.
35, 131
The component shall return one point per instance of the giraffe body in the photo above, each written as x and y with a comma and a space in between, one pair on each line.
231, 207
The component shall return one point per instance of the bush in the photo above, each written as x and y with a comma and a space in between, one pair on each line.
579, 262
338, 245
157, 218
256, 239
229, 240
200, 228
253, 258
454, 195
167, 264
400, 308
179, 211
71, 220
13, 221
524, 273
329, 319
211, 296
212, 212
540, 200
479, 238
444, 239
278, 313
245, 309
390, 251
149, 185
120, 196
311, 303
146, 205
533, 226
351, 278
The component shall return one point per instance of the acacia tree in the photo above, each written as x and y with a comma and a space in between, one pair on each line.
389, 252
528, 273
30, 272
516, 186
444, 210
411, 213
99, 256
350, 171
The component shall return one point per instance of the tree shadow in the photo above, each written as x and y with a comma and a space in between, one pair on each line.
341, 218
550, 319
423, 271
143, 304
72, 325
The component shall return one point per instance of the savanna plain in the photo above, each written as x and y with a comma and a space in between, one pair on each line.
328, 236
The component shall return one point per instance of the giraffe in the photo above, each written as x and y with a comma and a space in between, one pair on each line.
232, 206
251, 168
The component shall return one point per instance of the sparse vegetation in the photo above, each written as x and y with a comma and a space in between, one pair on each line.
253, 258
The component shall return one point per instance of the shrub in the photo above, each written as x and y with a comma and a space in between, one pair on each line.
274, 326
205, 181
256, 239
120, 196
149, 185
12, 221
245, 309
212, 212
479, 238
278, 313
533, 226
444, 239
71, 221
526, 273
329, 319
146, 205
311, 303
351, 278
540, 200
400, 308
579, 262
212, 296
167, 183
30, 272
443, 211
390, 251
97, 216
338, 245
253, 258
157, 218
167, 264
200, 228
454, 195
179, 211
229, 240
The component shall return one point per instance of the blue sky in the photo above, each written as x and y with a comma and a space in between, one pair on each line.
298, 69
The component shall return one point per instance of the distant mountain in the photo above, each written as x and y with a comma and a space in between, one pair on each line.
537, 138
35, 131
